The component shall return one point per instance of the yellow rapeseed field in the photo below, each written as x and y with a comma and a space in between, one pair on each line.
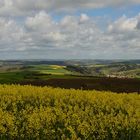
45, 113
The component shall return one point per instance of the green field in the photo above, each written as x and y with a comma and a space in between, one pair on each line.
50, 69
33, 72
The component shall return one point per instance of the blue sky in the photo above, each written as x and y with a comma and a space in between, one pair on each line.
111, 12
66, 29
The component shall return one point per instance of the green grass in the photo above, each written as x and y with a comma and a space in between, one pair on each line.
97, 65
12, 77
50, 69
42, 72
9, 77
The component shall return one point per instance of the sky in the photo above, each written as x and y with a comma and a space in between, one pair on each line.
69, 29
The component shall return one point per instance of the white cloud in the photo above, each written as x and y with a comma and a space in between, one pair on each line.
40, 36
84, 18
40, 21
125, 35
124, 24
12, 36
26, 7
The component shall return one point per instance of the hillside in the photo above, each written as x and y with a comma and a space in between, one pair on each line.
120, 70
103, 75
101, 68
28, 112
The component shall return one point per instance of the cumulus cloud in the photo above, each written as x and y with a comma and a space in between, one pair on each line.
124, 24
125, 35
12, 36
26, 7
39, 22
40, 36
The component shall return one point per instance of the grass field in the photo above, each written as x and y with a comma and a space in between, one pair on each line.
50, 69
18, 76
28, 112
33, 72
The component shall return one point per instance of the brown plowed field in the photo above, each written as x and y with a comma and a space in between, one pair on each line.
102, 84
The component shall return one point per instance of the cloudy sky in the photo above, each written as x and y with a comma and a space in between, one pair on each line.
69, 29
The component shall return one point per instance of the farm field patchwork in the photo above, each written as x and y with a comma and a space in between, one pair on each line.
116, 77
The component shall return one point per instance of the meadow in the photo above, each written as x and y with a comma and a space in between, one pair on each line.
50, 69
46, 113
